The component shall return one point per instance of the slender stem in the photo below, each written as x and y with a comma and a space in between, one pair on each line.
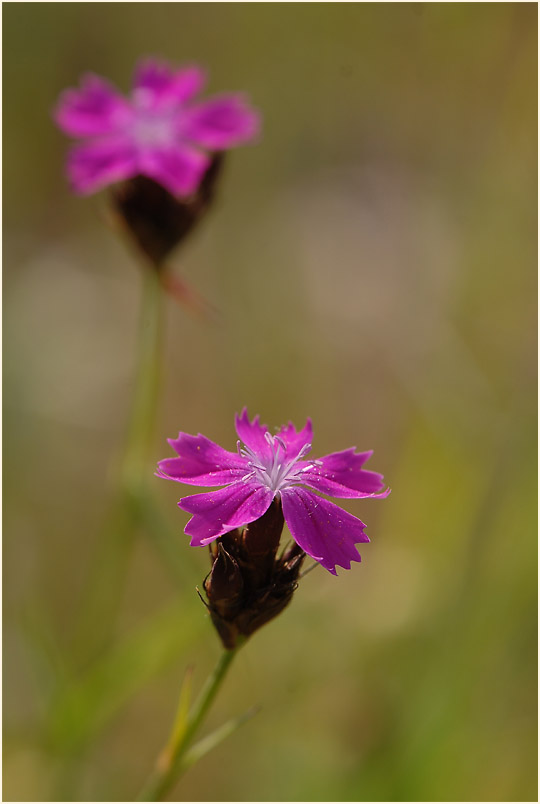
108, 573
169, 766
134, 464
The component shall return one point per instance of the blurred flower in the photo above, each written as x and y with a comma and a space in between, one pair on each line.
160, 132
272, 468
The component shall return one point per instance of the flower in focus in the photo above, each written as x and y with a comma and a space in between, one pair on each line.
269, 469
161, 131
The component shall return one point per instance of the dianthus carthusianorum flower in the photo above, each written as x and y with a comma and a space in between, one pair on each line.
268, 468
160, 131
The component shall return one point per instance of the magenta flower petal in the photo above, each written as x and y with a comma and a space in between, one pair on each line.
341, 475
323, 530
178, 168
217, 512
297, 441
96, 163
157, 85
95, 109
201, 462
252, 433
220, 123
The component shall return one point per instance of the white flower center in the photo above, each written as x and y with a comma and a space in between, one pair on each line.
152, 128
274, 471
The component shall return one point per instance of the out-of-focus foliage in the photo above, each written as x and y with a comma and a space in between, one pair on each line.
373, 260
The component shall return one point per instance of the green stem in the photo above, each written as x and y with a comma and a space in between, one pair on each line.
134, 463
108, 574
169, 767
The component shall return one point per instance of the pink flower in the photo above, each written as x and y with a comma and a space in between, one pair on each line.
269, 467
161, 131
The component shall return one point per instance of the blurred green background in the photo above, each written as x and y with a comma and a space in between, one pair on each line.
373, 259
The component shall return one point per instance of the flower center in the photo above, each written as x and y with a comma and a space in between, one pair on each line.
274, 470
150, 128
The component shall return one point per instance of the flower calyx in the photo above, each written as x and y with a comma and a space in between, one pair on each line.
156, 220
249, 584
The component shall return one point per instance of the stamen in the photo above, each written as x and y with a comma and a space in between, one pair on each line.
272, 470
309, 569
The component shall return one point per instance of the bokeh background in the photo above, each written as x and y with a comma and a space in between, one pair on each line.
373, 259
